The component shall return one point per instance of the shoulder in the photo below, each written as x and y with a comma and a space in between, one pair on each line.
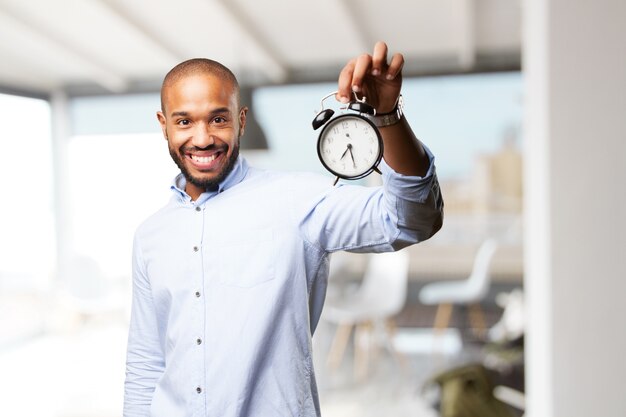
155, 220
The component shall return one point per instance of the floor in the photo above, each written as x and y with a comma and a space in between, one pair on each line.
77, 370
390, 388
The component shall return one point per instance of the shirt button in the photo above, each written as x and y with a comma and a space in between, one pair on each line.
199, 341
198, 209
197, 293
198, 390
195, 249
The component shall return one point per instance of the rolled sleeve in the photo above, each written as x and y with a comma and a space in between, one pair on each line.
416, 201
411, 188
404, 211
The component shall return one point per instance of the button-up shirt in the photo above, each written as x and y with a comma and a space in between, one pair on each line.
228, 289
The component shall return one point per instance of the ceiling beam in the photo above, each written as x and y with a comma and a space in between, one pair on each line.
467, 32
13, 91
97, 71
414, 66
161, 42
355, 20
279, 72
422, 66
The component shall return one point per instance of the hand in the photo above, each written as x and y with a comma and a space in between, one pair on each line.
374, 77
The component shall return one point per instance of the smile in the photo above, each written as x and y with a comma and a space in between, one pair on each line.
204, 162
203, 159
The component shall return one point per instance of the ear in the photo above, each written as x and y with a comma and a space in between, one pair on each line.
242, 120
163, 123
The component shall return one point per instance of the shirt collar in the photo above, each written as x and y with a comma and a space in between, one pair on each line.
233, 178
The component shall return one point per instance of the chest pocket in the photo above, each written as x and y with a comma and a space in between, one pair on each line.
249, 260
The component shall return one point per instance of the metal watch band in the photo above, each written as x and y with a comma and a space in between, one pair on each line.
391, 118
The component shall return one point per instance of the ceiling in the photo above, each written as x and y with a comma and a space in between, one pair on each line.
121, 46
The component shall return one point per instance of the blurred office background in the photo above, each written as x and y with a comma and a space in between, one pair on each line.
521, 101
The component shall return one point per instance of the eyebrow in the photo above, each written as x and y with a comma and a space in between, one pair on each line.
219, 110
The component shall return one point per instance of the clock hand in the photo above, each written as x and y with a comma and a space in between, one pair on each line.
351, 154
345, 152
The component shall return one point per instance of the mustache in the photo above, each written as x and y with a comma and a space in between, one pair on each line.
212, 147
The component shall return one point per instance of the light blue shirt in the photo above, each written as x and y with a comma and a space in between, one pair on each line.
228, 289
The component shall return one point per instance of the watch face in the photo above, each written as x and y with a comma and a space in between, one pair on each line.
350, 146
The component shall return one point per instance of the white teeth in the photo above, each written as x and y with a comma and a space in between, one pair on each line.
203, 159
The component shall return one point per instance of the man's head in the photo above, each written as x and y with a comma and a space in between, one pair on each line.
202, 120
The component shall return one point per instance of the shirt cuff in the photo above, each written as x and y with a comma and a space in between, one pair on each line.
410, 187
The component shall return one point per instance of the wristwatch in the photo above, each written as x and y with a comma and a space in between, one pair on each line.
391, 118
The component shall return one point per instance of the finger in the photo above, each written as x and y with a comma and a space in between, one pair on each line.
379, 58
395, 66
344, 90
361, 69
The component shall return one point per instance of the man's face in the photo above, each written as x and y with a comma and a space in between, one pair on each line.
202, 123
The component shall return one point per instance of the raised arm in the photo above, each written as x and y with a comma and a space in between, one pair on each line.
408, 208
380, 80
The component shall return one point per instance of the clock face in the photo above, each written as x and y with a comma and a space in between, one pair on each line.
350, 146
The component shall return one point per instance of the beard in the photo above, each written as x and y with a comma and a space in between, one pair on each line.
205, 183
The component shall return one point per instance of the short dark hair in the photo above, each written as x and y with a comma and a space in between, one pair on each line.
198, 66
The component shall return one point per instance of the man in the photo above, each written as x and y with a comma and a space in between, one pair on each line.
229, 278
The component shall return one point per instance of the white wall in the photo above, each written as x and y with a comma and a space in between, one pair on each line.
575, 175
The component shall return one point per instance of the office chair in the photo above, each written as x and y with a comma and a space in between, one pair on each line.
468, 292
381, 295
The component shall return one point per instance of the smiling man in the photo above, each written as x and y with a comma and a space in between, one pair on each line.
229, 278
203, 135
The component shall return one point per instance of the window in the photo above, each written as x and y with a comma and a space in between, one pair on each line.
27, 245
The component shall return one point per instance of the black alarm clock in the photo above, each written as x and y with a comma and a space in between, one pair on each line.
349, 146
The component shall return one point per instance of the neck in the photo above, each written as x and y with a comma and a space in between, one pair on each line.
193, 191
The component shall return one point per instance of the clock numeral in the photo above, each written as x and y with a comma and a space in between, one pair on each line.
344, 125
329, 140
335, 130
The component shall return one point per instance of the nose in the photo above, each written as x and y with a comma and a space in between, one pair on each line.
202, 137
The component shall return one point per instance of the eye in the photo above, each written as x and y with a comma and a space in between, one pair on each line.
219, 119
183, 122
